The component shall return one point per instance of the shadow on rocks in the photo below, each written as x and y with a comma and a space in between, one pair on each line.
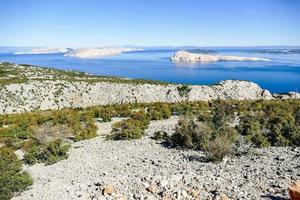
272, 197
191, 158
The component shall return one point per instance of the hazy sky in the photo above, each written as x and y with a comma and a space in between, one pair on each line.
71, 23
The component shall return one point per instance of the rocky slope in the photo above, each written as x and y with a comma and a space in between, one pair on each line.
185, 56
27, 88
145, 169
54, 94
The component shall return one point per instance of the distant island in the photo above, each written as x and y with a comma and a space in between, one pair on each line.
276, 51
202, 51
99, 52
187, 57
43, 51
80, 52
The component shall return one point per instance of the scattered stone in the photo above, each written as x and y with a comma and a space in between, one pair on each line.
294, 190
120, 198
223, 197
100, 162
194, 193
163, 183
184, 194
152, 189
20, 154
107, 190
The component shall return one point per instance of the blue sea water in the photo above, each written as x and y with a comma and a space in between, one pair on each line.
281, 74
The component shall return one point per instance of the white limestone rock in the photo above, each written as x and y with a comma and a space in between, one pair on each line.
99, 52
289, 95
55, 94
187, 57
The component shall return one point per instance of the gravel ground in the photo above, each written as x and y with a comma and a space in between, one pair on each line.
145, 169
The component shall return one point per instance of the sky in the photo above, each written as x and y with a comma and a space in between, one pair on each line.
95, 23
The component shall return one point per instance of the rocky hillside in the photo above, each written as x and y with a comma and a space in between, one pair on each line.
27, 88
144, 169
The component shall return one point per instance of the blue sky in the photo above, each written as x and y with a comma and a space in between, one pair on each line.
73, 23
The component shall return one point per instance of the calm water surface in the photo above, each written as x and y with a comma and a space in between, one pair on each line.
281, 74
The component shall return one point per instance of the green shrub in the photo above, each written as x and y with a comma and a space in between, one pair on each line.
216, 141
191, 134
270, 123
131, 128
49, 153
184, 90
218, 148
12, 179
159, 111
159, 135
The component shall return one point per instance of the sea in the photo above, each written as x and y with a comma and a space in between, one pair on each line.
279, 75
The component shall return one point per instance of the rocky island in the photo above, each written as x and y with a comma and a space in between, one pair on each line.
99, 52
187, 57
43, 51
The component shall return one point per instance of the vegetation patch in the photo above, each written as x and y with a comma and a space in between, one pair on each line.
184, 90
160, 135
263, 123
12, 179
213, 138
48, 153
131, 128
13, 73
208, 126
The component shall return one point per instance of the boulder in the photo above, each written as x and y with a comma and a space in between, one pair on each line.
107, 190
294, 190
152, 189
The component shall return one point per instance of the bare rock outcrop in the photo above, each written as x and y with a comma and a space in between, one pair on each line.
289, 95
56, 94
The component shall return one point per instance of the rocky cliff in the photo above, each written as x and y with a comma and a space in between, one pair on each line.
55, 94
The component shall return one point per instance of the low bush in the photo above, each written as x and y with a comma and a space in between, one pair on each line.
218, 148
184, 90
214, 139
271, 123
159, 135
48, 153
191, 134
12, 179
159, 111
128, 129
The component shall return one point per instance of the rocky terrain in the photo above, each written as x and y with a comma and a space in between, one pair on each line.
143, 168
146, 169
28, 88
185, 56
48, 94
